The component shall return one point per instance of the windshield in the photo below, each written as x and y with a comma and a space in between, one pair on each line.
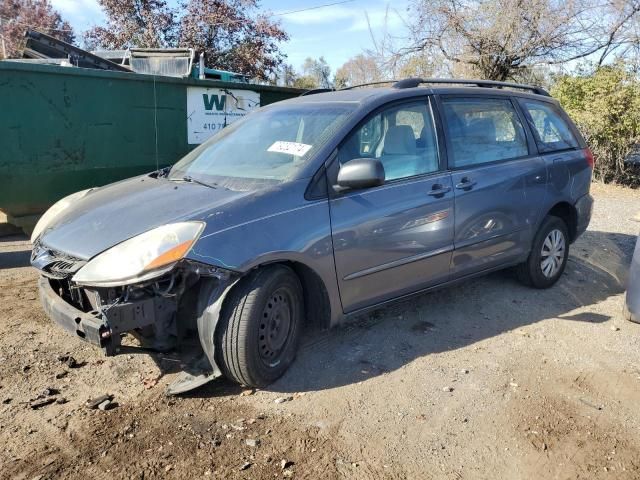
266, 147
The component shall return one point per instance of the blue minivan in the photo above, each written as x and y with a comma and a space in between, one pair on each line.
314, 209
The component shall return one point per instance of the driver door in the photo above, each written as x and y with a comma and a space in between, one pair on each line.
396, 238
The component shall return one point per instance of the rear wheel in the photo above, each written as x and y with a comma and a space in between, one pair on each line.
549, 254
257, 337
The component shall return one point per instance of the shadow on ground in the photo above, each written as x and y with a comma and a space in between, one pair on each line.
448, 319
453, 318
15, 252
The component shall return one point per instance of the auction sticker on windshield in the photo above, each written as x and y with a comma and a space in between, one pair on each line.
209, 110
292, 148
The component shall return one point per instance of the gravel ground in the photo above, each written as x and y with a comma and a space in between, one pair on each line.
488, 379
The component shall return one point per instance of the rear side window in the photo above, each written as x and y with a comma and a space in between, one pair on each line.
549, 127
483, 130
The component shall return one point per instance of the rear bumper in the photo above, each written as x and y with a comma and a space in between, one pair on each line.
629, 315
632, 297
584, 208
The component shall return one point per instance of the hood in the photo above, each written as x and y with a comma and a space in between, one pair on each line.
109, 215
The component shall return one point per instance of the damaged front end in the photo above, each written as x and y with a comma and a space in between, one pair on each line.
159, 312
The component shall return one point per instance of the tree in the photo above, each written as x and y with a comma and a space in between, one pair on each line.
17, 16
305, 82
229, 32
605, 104
231, 37
284, 76
358, 70
315, 74
134, 23
499, 39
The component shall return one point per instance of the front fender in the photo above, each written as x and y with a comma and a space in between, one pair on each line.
211, 297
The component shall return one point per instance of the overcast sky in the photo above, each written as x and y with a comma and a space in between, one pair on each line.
336, 32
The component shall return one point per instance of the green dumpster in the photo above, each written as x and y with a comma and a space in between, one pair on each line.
64, 129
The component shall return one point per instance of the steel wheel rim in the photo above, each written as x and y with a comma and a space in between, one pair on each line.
275, 326
552, 253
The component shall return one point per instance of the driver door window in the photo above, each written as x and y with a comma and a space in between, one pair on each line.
402, 137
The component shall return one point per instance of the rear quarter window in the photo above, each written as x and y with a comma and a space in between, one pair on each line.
550, 129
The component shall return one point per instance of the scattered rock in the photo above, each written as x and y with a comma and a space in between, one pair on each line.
61, 400
513, 384
49, 392
282, 399
252, 442
95, 402
149, 383
246, 393
7, 400
69, 361
42, 402
615, 328
447, 389
464, 370
26, 368
61, 374
285, 464
106, 405
245, 466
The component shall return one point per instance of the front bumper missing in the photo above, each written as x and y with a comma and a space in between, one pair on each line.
104, 329
86, 326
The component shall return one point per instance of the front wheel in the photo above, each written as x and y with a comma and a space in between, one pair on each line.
257, 337
549, 254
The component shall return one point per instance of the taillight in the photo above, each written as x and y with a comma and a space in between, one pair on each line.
589, 156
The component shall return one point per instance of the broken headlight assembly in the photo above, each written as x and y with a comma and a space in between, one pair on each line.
141, 258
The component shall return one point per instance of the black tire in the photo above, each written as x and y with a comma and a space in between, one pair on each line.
259, 328
531, 272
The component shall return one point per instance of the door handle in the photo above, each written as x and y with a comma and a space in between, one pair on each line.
465, 184
438, 190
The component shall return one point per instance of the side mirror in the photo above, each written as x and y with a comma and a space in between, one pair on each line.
360, 173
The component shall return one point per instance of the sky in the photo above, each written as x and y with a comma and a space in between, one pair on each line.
337, 32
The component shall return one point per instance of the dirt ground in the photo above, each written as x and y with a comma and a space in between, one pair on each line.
488, 379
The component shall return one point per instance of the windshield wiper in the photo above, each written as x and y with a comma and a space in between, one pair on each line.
189, 179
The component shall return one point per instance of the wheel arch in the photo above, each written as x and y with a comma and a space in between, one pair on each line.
317, 305
321, 300
568, 213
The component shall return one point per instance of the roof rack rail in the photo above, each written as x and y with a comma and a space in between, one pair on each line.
313, 91
381, 82
415, 82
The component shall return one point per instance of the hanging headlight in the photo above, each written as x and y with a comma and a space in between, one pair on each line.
148, 255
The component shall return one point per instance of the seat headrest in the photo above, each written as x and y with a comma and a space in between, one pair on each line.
399, 141
484, 128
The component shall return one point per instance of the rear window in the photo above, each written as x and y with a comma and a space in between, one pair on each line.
551, 130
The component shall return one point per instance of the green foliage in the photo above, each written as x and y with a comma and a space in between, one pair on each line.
605, 105
307, 82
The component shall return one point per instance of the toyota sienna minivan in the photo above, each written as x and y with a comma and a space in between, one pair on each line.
314, 209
